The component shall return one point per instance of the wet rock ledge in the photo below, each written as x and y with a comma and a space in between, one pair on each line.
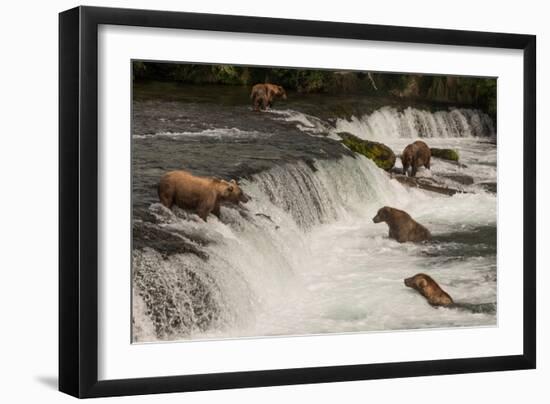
382, 155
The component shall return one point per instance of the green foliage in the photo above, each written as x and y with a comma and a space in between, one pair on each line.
446, 154
487, 94
306, 81
139, 70
381, 154
227, 74
479, 92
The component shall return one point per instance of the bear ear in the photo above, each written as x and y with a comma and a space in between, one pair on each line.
233, 182
422, 283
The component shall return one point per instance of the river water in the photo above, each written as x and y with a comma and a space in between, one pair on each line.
303, 255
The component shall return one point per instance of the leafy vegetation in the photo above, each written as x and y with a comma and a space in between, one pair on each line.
477, 92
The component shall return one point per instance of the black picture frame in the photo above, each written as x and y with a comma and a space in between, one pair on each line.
78, 201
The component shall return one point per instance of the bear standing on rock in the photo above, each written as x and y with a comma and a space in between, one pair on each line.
429, 288
202, 194
402, 226
262, 95
415, 155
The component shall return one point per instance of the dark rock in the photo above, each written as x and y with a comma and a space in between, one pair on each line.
489, 186
425, 184
165, 242
460, 178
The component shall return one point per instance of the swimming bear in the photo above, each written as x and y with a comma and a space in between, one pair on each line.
202, 194
262, 95
415, 155
429, 288
402, 226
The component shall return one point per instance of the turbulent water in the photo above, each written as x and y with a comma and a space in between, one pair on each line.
303, 255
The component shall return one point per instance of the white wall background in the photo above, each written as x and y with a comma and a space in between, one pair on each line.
28, 201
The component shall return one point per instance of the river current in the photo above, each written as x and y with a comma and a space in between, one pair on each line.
303, 255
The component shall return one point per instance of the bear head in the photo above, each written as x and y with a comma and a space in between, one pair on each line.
281, 92
407, 156
233, 193
429, 289
382, 215
418, 282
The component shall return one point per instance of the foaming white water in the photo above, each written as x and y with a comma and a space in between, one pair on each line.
304, 257
217, 133
469, 132
143, 328
306, 123
388, 122
478, 160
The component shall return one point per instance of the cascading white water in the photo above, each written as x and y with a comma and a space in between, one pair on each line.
304, 257
388, 123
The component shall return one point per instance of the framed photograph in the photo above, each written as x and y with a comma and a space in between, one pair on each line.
251, 201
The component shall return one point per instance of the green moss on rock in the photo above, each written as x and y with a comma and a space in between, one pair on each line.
381, 154
446, 154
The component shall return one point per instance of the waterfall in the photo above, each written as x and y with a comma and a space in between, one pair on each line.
248, 260
388, 122
303, 255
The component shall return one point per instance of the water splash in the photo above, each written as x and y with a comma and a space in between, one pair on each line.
216, 133
307, 123
303, 257
388, 122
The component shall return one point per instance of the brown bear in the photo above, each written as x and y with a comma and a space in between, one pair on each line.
402, 226
262, 95
429, 288
203, 194
415, 155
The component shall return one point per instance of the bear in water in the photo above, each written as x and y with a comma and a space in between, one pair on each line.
262, 95
201, 194
429, 288
402, 226
415, 155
